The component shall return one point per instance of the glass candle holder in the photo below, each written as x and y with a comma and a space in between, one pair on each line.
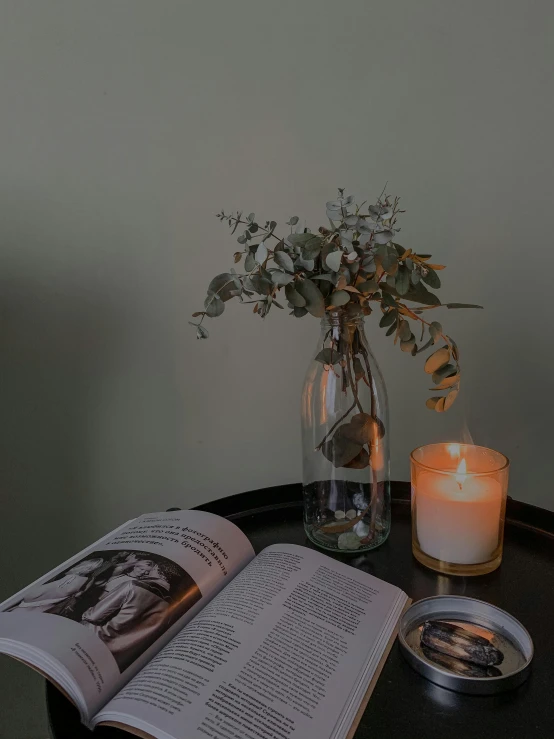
458, 507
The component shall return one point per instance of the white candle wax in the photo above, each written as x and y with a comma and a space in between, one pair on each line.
458, 517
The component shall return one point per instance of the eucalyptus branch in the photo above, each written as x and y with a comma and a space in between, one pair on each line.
336, 269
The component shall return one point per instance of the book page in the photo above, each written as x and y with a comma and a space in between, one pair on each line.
281, 652
96, 620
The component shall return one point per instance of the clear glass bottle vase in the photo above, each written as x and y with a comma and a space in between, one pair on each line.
346, 463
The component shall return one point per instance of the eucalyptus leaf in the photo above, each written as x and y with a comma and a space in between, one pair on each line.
201, 332
388, 318
299, 312
431, 278
417, 294
249, 262
339, 297
448, 382
281, 278
391, 329
333, 260
294, 297
425, 346
261, 285
370, 286
329, 356
224, 286
383, 237
315, 303
463, 305
284, 261
432, 402
438, 359
446, 371
450, 398
408, 345
261, 253
340, 450
213, 305
390, 263
363, 429
404, 330
293, 221
360, 462
323, 278
415, 277
435, 329
402, 281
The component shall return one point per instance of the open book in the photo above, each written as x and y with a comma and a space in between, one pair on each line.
170, 627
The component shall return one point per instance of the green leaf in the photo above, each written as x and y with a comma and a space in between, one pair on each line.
370, 286
249, 262
448, 382
261, 285
328, 356
417, 293
404, 330
299, 312
214, 305
431, 278
435, 329
402, 281
437, 360
399, 249
224, 286
340, 450
201, 332
388, 318
261, 253
315, 302
309, 243
446, 371
425, 346
363, 429
293, 221
294, 297
391, 330
281, 278
387, 297
390, 263
408, 345
463, 305
339, 297
323, 278
334, 259
284, 261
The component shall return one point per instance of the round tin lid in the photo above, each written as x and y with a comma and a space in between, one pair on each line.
465, 644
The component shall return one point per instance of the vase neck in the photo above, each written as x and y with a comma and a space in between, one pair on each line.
336, 324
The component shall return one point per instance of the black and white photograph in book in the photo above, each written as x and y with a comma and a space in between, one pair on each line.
127, 598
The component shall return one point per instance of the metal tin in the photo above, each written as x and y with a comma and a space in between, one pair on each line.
504, 631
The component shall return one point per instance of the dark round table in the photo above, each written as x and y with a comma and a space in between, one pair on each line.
403, 703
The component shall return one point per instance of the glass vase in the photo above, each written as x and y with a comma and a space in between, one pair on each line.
346, 464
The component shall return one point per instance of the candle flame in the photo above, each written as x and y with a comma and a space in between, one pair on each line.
461, 473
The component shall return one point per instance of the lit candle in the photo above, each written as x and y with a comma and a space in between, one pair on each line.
458, 516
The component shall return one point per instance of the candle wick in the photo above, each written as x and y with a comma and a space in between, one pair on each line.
459, 485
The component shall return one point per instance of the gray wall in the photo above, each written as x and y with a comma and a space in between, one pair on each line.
126, 125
